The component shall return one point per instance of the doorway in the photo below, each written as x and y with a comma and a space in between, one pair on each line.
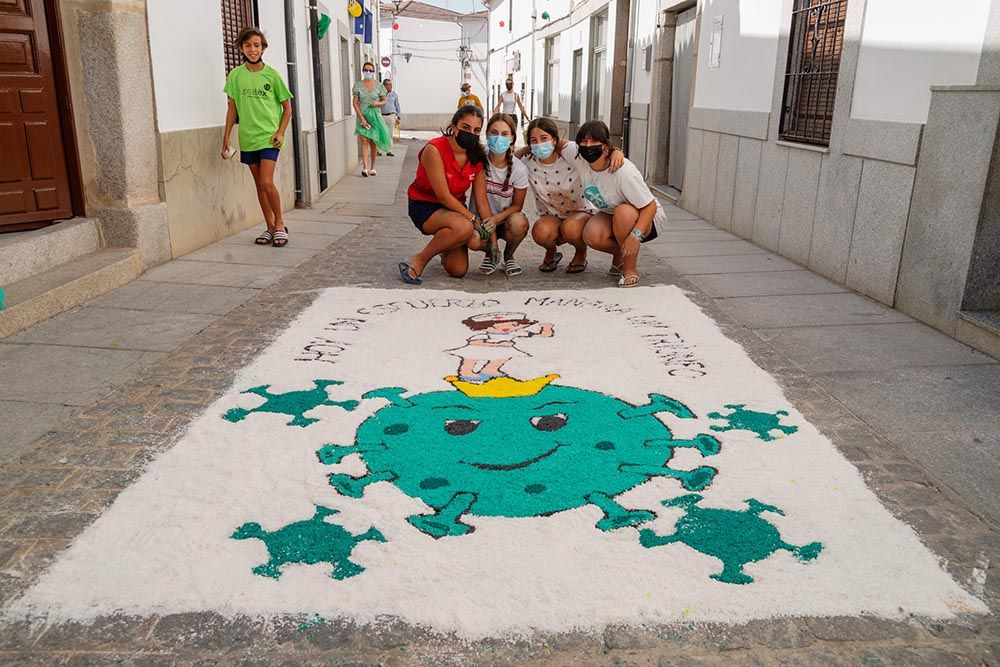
574, 107
680, 97
34, 177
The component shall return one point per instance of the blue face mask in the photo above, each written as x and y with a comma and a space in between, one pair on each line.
498, 145
542, 150
368, 75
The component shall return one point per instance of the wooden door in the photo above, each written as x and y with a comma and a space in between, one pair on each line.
34, 182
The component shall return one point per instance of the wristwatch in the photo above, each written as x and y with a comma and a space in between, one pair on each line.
636, 233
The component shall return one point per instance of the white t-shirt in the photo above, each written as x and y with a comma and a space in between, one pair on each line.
557, 186
500, 198
606, 190
509, 100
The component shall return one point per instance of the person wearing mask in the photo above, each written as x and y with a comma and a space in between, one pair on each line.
510, 102
627, 211
368, 98
448, 166
391, 113
468, 98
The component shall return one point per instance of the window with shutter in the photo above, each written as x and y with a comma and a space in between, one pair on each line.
815, 45
236, 15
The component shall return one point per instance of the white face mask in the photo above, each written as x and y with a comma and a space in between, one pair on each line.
368, 75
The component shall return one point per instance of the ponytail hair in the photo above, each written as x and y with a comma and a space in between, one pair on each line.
476, 155
497, 117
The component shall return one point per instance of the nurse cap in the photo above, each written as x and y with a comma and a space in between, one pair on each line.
497, 317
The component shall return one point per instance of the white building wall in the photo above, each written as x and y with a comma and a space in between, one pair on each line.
187, 78
744, 80
910, 45
645, 30
429, 83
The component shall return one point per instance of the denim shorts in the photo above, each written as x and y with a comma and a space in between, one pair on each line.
254, 157
421, 210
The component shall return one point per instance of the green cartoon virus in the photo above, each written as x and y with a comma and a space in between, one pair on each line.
761, 423
293, 403
311, 541
734, 537
511, 448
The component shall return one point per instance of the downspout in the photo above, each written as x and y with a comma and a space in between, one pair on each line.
629, 75
534, 63
317, 67
293, 87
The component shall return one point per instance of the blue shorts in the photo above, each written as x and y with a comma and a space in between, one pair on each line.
254, 157
421, 210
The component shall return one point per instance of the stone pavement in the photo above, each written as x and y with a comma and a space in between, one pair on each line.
915, 411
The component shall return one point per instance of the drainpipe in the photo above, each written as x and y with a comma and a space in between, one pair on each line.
534, 63
317, 67
293, 87
629, 74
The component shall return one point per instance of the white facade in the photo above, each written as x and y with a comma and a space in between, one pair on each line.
910, 45
426, 61
188, 75
744, 77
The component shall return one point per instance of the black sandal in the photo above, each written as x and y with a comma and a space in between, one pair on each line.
280, 238
265, 238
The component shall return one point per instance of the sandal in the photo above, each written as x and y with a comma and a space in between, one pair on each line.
577, 268
512, 268
372, 172
487, 266
404, 274
615, 270
364, 173
265, 238
549, 267
280, 238
629, 281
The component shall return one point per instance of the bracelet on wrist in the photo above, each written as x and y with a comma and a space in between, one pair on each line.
638, 234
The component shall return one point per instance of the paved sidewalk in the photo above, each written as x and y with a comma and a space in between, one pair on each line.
897, 399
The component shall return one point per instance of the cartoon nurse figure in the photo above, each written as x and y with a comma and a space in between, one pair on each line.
485, 353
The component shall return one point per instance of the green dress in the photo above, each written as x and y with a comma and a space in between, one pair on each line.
379, 132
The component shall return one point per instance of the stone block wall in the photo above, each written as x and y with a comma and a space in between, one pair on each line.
208, 198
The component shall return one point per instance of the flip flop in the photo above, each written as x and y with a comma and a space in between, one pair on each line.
553, 265
265, 238
577, 268
615, 270
629, 281
404, 274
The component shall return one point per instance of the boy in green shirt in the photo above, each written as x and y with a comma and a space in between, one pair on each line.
261, 100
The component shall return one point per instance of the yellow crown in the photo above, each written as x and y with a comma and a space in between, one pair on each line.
501, 387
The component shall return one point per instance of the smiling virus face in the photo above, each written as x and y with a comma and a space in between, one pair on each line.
517, 456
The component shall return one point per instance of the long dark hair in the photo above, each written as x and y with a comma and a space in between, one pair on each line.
476, 155
549, 127
513, 140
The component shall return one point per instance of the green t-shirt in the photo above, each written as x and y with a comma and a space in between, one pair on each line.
258, 97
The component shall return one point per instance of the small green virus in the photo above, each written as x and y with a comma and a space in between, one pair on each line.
526, 456
311, 541
293, 403
734, 537
761, 423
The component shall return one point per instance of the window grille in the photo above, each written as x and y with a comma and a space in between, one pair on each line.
236, 15
815, 45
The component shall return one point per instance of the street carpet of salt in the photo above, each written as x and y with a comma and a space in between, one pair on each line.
167, 544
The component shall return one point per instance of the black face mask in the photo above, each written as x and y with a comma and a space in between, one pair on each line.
466, 140
510, 86
591, 153
252, 62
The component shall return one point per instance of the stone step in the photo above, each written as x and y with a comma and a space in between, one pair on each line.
980, 329
24, 254
51, 292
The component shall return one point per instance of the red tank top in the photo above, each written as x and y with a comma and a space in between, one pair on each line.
459, 178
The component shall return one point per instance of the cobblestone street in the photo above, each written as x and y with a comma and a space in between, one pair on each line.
915, 411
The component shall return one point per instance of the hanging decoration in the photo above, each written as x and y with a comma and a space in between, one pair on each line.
354, 8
